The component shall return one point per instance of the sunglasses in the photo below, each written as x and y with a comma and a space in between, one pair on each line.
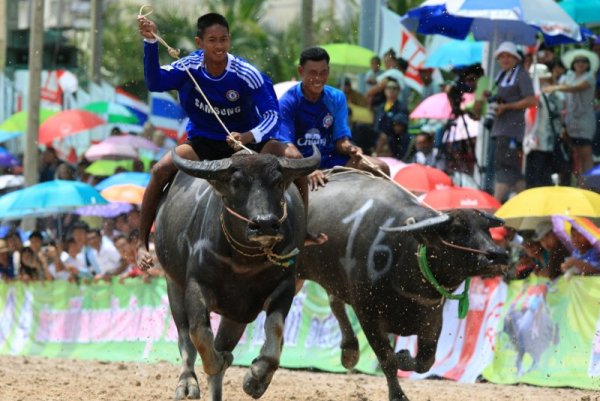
581, 60
392, 87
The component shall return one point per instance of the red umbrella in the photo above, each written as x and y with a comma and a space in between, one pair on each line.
461, 198
67, 123
420, 178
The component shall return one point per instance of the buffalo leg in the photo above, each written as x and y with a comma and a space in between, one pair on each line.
427, 345
228, 336
213, 361
349, 343
187, 386
380, 343
263, 368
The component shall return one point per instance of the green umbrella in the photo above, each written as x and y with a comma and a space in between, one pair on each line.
113, 113
104, 168
16, 124
349, 58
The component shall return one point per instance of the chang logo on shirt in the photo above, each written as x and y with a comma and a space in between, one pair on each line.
327, 121
312, 137
232, 95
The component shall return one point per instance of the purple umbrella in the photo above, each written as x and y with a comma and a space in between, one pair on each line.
110, 210
7, 159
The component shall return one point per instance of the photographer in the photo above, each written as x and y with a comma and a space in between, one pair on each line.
514, 95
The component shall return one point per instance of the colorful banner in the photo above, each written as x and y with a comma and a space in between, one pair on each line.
549, 334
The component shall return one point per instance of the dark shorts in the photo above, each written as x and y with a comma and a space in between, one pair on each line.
212, 149
508, 158
580, 141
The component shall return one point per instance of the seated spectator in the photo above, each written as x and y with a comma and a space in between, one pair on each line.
396, 142
15, 243
585, 259
57, 270
426, 153
557, 252
72, 263
33, 268
533, 259
102, 253
7, 268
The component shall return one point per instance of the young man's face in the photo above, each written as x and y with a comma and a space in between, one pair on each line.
215, 43
314, 76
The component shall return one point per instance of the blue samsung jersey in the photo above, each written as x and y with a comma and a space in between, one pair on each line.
322, 123
242, 96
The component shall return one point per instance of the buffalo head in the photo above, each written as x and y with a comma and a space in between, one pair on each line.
252, 187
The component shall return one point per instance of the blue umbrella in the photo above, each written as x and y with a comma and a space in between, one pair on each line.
591, 178
582, 11
7, 159
51, 197
455, 53
135, 178
518, 21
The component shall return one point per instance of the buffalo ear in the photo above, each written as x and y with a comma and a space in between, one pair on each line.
295, 168
219, 170
492, 220
421, 227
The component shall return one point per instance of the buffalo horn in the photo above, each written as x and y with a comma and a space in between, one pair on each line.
493, 220
421, 226
301, 167
207, 169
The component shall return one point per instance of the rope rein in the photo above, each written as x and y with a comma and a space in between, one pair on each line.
175, 54
247, 220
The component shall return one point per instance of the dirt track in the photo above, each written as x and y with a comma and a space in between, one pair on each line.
33, 378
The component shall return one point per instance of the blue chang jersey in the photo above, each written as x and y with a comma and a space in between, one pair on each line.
321, 123
242, 96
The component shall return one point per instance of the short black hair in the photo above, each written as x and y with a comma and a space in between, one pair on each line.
208, 20
80, 224
314, 54
36, 234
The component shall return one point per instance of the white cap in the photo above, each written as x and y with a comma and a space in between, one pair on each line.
540, 71
507, 47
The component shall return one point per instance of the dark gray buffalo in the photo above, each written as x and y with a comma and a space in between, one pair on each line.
227, 243
370, 263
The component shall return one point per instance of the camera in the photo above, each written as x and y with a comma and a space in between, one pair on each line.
490, 116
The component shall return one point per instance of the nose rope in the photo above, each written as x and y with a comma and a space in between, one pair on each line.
175, 54
247, 220
464, 248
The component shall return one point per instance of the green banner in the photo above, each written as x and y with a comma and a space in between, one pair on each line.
132, 322
549, 334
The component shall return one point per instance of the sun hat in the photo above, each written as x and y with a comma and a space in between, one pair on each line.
540, 71
4, 246
507, 47
541, 230
571, 55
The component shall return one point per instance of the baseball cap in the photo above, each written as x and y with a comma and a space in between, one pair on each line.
541, 230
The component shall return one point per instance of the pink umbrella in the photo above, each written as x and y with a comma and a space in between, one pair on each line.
110, 151
395, 165
66, 123
138, 142
438, 106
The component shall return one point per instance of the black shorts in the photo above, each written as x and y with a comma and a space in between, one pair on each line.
580, 141
508, 159
213, 149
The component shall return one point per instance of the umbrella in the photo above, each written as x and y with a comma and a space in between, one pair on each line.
517, 21
420, 178
126, 193
134, 178
67, 123
49, 197
104, 168
562, 226
113, 113
461, 129
16, 124
138, 142
528, 208
455, 53
7, 159
348, 57
591, 178
438, 106
113, 209
110, 151
394, 164
461, 179
282, 87
460, 198
582, 11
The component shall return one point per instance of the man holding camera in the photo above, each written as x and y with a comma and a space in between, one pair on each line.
514, 94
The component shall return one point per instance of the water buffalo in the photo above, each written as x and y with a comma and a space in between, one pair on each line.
370, 263
228, 243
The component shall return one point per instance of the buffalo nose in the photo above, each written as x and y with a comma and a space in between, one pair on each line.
498, 255
265, 224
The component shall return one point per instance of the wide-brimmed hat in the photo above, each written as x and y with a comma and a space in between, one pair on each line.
507, 47
4, 246
540, 71
571, 55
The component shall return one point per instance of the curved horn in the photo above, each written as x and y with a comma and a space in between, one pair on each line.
299, 167
421, 226
493, 220
207, 169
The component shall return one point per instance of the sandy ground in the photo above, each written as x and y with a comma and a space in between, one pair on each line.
42, 379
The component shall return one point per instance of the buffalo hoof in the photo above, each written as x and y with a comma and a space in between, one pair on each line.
399, 397
405, 361
187, 388
258, 378
350, 357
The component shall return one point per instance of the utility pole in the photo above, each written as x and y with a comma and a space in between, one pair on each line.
3, 34
96, 45
307, 23
36, 50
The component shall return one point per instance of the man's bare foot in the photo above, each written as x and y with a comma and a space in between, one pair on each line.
144, 260
312, 239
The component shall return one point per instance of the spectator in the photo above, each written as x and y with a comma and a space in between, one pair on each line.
102, 253
580, 120
7, 268
430, 87
585, 259
72, 261
392, 71
65, 171
426, 153
515, 94
373, 73
392, 106
56, 268
557, 252
395, 142
353, 96
15, 244
48, 164
533, 259
133, 219
33, 268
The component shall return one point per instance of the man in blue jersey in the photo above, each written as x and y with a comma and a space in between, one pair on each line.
240, 94
315, 113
